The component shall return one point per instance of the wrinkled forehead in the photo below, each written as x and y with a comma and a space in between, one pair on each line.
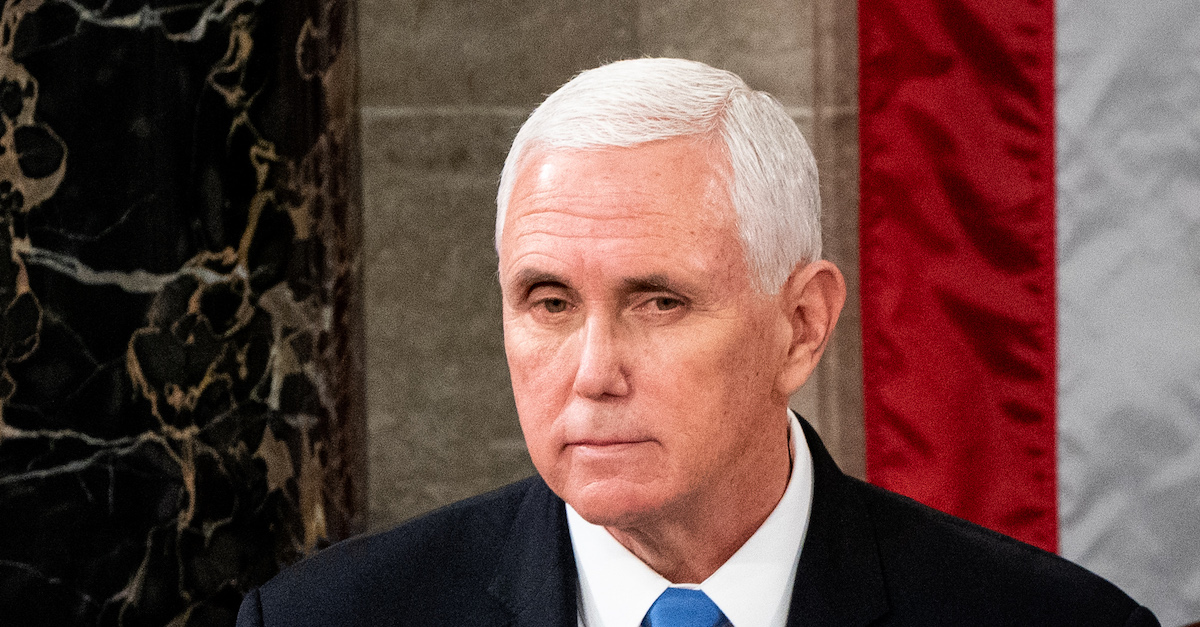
686, 176
649, 208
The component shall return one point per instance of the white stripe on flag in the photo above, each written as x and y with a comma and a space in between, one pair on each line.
1128, 213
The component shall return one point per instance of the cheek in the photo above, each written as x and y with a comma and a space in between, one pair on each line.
720, 378
541, 381
536, 361
711, 360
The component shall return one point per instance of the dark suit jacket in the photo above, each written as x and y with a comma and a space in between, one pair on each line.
871, 557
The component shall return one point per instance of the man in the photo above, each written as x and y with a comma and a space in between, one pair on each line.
659, 243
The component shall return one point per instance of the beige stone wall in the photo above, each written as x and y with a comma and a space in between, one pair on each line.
445, 84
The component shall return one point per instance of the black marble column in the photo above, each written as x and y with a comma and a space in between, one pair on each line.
180, 320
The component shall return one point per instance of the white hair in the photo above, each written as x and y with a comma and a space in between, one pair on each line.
774, 187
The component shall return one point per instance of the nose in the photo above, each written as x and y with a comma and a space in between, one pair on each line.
601, 374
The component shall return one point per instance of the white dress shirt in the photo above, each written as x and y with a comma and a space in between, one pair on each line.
753, 588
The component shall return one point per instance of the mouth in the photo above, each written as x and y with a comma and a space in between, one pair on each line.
604, 445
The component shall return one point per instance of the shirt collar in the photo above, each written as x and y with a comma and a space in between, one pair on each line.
753, 588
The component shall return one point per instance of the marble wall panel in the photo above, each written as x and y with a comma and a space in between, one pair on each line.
180, 332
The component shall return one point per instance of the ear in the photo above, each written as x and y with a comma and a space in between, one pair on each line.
812, 299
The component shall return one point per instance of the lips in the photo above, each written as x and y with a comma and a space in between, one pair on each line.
605, 445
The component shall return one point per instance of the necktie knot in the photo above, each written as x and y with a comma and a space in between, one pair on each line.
680, 607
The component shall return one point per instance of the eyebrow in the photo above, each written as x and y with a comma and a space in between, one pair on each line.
528, 277
652, 283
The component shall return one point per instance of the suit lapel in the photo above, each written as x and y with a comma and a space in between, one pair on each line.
535, 579
839, 580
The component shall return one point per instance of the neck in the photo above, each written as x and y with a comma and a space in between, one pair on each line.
690, 545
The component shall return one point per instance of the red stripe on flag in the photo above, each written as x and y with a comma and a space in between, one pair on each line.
957, 257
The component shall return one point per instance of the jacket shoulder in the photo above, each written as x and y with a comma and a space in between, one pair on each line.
432, 567
944, 569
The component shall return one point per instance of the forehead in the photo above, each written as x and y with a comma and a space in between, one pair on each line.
665, 195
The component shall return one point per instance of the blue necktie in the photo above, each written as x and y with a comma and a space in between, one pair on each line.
680, 607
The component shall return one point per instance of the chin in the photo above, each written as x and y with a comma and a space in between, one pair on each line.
614, 503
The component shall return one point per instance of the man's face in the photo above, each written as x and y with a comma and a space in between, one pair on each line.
644, 362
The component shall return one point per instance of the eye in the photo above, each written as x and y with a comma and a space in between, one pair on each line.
554, 305
666, 303
662, 307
